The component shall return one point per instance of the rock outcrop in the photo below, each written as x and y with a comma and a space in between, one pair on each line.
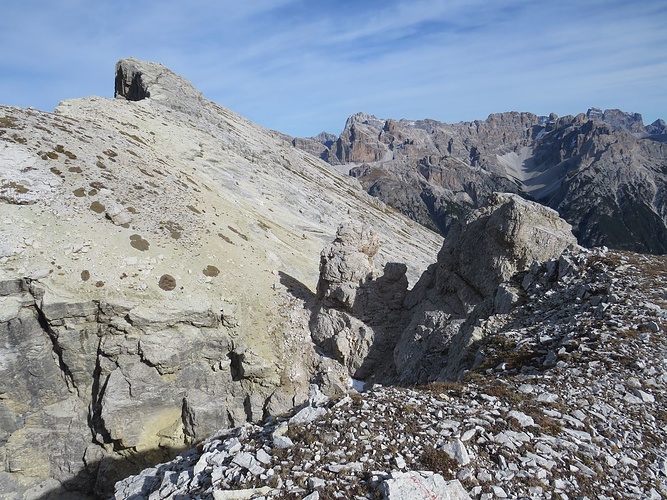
381, 331
567, 398
604, 172
137, 80
358, 316
463, 288
156, 253
487, 248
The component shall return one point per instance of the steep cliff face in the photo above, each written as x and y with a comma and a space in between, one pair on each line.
155, 253
609, 184
604, 172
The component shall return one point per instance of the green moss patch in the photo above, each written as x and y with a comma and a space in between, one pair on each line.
13, 186
174, 228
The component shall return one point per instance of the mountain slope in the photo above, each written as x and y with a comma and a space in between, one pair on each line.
605, 173
153, 251
565, 398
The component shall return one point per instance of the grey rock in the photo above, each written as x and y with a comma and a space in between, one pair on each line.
346, 264
137, 80
479, 255
457, 451
400, 462
359, 313
410, 485
263, 457
282, 442
316, 482
307, 414
506, 297
523, 419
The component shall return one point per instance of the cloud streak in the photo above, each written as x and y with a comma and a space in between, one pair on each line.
300, 67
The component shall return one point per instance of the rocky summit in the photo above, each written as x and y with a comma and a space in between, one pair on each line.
192, 306
154, 250
604, 172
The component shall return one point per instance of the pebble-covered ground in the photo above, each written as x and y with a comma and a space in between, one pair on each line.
566, 400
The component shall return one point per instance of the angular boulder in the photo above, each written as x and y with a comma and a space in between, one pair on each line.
495, 242
411, 485
460, 290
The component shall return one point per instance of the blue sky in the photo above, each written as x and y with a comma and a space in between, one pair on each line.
303, 66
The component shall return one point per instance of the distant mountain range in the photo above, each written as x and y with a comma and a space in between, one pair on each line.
170, 271
604, 172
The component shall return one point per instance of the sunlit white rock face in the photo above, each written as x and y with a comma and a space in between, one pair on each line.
156, 252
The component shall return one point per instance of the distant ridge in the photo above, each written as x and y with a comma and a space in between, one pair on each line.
603, 171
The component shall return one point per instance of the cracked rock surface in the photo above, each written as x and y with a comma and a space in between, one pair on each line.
155, 250
566, 400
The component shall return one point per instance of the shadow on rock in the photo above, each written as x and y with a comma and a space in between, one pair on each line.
358, 315
297, 289
109, 470
372, 326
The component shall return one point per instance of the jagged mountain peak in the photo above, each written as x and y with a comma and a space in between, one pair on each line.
618, 119
436, 172
364, 119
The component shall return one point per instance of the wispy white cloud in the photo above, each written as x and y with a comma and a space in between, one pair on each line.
300, 66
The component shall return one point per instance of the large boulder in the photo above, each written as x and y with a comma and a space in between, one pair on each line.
496, 241
462, 289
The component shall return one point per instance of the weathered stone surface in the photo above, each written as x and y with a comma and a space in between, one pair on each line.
493, 244
137, 80
410, 485
452, 299
359, 313
457, 451
346, 264
100, 202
